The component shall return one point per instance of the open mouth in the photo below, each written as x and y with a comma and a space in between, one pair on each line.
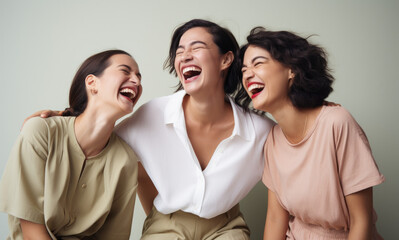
190, 72
129, 93
255, 89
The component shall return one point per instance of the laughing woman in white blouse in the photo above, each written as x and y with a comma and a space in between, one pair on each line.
202, 151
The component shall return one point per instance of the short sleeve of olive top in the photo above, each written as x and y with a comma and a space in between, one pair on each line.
47, 180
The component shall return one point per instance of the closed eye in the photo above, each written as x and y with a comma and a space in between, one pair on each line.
138, 76
126, 71
198, 47
258, 63
179, 50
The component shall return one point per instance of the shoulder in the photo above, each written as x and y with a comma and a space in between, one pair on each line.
337, 113
342, 124
261, 122
157, 104
39, 123
151, 113
122, 150
36, 124
337, 116
261, 119
258, 120
44, 126
153, 107
253, 125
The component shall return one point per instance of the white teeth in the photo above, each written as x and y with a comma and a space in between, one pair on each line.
255, 86
128, 90
191, 69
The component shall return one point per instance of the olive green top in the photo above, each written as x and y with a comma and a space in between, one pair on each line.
48, 180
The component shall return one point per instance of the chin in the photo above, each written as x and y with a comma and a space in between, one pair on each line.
190, 89
259, 106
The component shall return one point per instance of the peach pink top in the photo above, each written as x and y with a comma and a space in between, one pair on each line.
312, 178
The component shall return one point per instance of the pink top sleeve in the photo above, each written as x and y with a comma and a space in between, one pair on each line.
267, 178
357, 168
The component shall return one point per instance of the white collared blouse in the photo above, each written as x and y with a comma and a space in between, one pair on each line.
157, 133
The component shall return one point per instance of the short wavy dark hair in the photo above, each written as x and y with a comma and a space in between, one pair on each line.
222, 37
312, 81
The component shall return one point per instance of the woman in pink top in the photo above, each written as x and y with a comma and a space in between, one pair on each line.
319, 167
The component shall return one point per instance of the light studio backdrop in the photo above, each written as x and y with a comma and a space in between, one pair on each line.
43, 42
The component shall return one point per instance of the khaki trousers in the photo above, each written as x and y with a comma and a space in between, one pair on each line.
181, 225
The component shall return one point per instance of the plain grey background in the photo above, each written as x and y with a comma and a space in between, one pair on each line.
43, 42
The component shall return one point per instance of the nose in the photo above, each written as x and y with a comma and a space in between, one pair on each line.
136, 79
186, 55
247, 75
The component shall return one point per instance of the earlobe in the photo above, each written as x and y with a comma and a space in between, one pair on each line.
91, 83
291, 74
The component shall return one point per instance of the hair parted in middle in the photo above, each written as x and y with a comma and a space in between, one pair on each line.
222, 37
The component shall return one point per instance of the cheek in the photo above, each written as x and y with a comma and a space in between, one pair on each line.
245, 87
176, 66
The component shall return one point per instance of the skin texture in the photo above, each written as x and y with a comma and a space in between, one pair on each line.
360, 205
145, 190
209, 118
34, 231
260, 68
276, 219
95, 125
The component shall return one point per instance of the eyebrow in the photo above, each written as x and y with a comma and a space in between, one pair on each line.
126, 66
193, 43
256, 58
130, 69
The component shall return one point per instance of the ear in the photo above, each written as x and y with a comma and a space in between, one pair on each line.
228, 59
291, 74
91, 83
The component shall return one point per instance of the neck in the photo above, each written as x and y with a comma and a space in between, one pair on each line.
295, 123
93, 130
206, 111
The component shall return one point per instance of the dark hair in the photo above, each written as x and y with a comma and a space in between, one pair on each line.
312, 81
95, 65
222, 37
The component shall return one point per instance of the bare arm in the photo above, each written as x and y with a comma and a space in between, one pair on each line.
146, 190
360, 205
276, 220
33, 231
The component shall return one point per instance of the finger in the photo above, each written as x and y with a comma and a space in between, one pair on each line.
46, 113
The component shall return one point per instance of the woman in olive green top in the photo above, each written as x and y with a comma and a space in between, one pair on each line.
72, 177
